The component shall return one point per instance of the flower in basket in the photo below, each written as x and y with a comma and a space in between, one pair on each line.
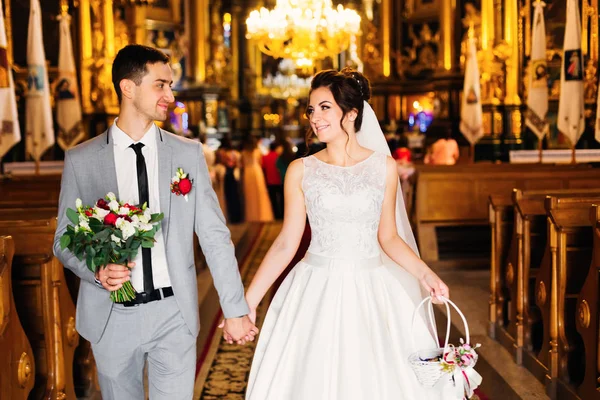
462, 356
110, 232
459, 362
181, 184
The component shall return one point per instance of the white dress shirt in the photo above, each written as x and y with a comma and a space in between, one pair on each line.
125, 165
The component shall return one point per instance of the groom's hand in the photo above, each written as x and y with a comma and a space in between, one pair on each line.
239, 330
114, 276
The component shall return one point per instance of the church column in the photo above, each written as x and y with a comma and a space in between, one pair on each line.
386, 16
138, 22
85, 35
513, 119
447, 54
109, 29
110, 99
511, 33
236, 26
199, 31
487, 25
8, 27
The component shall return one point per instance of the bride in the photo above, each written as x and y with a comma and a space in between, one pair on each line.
339, 326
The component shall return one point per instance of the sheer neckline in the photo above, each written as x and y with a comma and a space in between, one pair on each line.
339, 166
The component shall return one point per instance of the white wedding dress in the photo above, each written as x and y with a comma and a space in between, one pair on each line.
339, 327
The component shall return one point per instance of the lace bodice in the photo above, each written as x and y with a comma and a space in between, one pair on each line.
344, 206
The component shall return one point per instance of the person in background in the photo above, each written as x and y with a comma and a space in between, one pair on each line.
209, 155
230, 158
219, 182
256, 198
273, 178
392, 142
285, 158
402, 154
443, 151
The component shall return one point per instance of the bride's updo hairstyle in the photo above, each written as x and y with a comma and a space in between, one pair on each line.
349, 88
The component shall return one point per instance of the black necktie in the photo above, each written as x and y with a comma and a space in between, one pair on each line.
144, 197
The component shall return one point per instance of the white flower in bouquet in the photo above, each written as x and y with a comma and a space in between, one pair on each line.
84, 225
100, 213
126, 227
123, 211
78, 204
115, 239
142, 227
114, 205
111, 196
144, 218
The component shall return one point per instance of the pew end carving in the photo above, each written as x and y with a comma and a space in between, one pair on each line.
588, 303
44, 305
17, 368
571, 245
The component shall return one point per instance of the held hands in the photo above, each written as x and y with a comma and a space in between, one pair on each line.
435, 286
114, 276
239, 330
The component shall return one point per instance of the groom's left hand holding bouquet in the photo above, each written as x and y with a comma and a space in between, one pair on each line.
114, 276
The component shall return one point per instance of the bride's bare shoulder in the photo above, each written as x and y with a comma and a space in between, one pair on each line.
295, 170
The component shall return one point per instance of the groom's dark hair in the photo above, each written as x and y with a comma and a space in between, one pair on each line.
130, 63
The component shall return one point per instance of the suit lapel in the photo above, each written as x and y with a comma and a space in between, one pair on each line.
107, 170
165, 169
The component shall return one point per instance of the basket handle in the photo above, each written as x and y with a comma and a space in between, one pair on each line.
447, 303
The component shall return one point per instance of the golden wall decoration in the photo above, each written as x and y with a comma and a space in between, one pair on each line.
371, 55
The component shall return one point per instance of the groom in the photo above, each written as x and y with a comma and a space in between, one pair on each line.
136, 160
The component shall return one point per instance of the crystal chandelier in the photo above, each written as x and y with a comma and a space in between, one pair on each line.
286, 83
303, 30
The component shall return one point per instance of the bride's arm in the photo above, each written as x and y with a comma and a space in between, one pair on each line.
285, 246
395, 247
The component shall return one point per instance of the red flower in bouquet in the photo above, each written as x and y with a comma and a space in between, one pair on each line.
181, 184
110, 219
110, 232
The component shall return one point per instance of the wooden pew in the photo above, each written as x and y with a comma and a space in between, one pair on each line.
44, 305
85, 375
564, 268
17, 369
29, 191
588, 307
514, 319
453, 201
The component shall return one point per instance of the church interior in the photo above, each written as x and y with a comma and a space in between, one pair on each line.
490, 108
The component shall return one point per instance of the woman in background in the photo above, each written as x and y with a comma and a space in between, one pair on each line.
285, 158
230, 158
256, 198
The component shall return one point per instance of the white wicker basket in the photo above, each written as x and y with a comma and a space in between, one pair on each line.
429, 372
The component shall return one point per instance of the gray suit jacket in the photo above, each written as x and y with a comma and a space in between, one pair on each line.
89, 174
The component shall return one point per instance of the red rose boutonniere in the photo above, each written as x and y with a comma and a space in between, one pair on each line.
181, 184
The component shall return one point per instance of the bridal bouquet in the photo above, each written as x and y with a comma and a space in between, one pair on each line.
110, 232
